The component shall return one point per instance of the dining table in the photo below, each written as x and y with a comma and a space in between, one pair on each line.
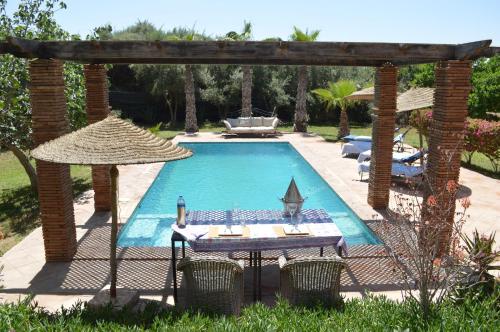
254, 231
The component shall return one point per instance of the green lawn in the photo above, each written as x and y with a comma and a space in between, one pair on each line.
18, 203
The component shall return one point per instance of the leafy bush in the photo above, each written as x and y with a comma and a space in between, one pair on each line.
155, 129
479, 136
484, 137
485, 95
476, 280
421, 120
372, 313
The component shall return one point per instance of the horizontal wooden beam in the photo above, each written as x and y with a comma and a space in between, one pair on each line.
472, 50
244, 52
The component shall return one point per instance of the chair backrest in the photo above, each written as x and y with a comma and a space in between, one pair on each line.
213, 284
414, 157
309, 280
399, 138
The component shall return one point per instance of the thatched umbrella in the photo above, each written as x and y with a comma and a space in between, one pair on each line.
363, 94
415, 98
112, 142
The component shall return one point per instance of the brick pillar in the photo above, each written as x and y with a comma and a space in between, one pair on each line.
97, 105
383, 136
446, 136
55, 194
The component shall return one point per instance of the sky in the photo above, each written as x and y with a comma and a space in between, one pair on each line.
416, 21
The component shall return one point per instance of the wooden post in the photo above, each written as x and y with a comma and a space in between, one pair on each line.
55, 193
383, 136
446, 137
114, 229
97, 107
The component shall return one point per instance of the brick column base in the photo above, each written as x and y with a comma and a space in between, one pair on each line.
97, 106
383, 136
446, 136
55, 194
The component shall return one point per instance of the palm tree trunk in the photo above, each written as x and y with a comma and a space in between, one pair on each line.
344, 124
246, 91
191, 125
25, 162
301, 118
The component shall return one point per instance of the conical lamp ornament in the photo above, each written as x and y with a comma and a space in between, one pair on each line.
293, 196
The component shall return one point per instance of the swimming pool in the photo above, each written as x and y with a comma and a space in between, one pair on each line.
222, 176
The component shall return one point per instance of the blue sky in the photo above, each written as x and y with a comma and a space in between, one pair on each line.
437, 21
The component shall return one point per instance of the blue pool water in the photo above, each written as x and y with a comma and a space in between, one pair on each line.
221, 176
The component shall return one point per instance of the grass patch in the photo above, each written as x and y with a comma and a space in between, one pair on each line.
170, 133
371, 314
19, 213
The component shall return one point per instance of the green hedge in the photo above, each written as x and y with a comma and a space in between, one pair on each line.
372, 314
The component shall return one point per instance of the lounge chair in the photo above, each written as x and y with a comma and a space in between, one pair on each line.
398, 157
358, 144
350, 138
311, 280
398, 169
252, 125
213, 284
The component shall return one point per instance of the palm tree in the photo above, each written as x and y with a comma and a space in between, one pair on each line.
191, 123
335, 96
301, 117
246, 84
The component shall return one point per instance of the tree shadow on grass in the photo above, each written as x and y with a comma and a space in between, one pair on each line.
20, 208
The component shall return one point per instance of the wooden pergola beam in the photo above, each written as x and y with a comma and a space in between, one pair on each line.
245, 52
470, 51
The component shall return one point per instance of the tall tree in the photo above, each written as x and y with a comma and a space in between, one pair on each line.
191, 124
164, 82
484, 98
33, 19
246, 85
335, 96
221, 88
301, 117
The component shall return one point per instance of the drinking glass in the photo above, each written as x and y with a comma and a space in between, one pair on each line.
292, 208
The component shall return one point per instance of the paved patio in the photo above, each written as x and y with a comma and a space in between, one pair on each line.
148, 269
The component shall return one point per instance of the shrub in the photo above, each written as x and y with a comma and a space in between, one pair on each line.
484, 137
369, 314
479, 136
421, 120
476, 280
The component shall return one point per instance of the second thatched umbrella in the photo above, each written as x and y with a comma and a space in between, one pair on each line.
112, 142
363, 94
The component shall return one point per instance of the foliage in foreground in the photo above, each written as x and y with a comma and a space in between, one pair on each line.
374, 313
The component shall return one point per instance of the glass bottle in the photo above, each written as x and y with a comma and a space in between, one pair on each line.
181, 212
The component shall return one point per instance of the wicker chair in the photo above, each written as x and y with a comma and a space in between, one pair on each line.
213, 284
309, 281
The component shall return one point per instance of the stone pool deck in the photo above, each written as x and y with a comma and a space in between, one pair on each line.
148, 269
